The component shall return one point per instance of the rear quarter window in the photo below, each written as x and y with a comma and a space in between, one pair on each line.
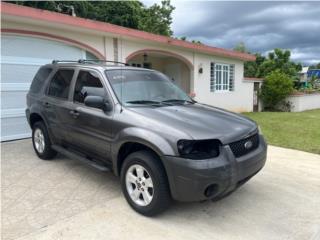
60, 83
39, 79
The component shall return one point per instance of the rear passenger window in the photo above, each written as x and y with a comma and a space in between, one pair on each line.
39, 79
60, 83
88, 83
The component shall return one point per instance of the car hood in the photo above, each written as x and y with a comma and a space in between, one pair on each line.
201, 121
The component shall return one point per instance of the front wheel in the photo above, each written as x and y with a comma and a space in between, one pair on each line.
145, 184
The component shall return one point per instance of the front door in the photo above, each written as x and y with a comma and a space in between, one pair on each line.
91, 128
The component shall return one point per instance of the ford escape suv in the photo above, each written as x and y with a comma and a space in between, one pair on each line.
137, 123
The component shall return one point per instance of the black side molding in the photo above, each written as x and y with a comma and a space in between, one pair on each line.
73, 155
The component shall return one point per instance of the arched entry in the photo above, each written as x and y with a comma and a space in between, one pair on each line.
176, 67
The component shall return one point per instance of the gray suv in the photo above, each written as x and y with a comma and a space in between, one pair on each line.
141, 126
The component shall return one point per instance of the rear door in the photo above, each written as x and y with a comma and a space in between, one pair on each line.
57, 104
91, 128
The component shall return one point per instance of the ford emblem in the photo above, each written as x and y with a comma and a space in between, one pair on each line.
248, 144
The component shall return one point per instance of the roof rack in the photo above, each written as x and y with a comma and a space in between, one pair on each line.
64, 61
87, 61
98, 60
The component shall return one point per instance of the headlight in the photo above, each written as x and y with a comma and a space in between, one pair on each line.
198, 149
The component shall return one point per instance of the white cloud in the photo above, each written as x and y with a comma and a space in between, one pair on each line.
260, 25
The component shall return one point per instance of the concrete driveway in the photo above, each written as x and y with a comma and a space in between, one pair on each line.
63, 199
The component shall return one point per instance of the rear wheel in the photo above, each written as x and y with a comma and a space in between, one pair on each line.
41, 141
144, 183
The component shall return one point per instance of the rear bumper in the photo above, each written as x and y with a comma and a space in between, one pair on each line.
194, 180
28, 115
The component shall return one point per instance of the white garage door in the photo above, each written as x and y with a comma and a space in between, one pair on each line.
20, 60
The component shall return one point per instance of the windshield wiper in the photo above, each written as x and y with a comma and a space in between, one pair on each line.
148, 102
143, 102
178, 101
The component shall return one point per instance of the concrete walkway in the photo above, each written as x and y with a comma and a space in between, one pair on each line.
62, 199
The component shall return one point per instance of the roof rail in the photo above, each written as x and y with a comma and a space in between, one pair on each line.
87, 61
98, 60
64, 61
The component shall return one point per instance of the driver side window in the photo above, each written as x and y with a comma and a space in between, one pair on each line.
87, 84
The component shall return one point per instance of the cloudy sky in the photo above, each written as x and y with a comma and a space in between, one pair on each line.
262, 26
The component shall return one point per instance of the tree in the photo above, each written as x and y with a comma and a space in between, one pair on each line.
196, 41
276, 87
184, 38
157, 19
280, 59
132, 14
316, 66
241, 47
252, 69
277, 60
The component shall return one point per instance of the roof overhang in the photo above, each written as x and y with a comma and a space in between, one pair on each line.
8, 9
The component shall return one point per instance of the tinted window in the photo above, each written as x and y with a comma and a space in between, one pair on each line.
88, 83
39, 79
60, 83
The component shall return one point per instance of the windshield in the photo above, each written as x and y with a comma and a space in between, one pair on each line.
145, 87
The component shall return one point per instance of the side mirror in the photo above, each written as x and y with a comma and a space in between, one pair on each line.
98, 102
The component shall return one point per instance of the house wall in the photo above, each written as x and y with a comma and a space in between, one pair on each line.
94, 41
130, 46
241, 99
304, 102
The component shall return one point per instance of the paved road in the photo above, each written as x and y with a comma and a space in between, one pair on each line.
63, 199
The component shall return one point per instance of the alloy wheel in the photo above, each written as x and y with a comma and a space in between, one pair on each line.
139, 185
39, 140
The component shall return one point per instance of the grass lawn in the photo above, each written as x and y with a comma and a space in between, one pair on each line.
291, 130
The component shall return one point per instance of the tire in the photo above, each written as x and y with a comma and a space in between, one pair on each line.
45, 152
160, 191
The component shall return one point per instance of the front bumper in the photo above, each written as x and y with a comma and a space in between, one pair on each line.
195, 180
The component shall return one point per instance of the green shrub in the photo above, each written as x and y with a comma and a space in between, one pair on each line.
276, 87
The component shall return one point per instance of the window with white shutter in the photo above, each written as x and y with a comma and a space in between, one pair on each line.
221, 77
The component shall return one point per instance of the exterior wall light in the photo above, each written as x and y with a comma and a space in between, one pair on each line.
200, 69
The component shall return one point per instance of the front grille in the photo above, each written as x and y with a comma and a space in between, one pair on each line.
242, 147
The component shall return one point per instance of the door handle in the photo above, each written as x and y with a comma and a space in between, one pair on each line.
74, 113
